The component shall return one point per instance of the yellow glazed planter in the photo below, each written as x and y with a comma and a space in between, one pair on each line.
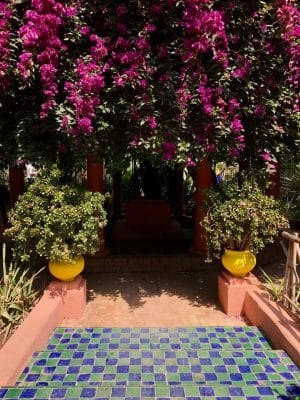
66, 272
238, 263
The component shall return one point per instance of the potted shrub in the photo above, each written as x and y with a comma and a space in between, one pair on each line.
58, 222
240, 221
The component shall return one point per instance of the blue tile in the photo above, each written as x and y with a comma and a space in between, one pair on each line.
200, 329
28, 393
236, 377
49, 370
177, 392
78, 354
55, 354
84, 340
252, 361
210, 376
237, 354
205, 361
214, 354
83, 377
107, 330
293, 368
63, 362
196, 368
147, 368
170, 354
104, 340
136, 377
159, 361
269, 369
118, 392
244, 369
261, 376
92, 346
73, 370
175, 346
229, 361
172, 368
182, 361
192, 354
40, 362
206, 391
164, 340
3, 393
96, 335
275, 360
112, 361
109, 377
101, 354
134, 346
159, 377
122, 369
57, 378
58, 393
186, 377
147, 354
265, 390
293, 390
32, 377
72, 347
135, 361
220, 368
64, 341
148, 392
286, 375
97, 369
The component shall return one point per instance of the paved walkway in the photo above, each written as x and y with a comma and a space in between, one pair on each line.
153, 299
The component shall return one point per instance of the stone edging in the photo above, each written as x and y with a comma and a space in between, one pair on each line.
60, 300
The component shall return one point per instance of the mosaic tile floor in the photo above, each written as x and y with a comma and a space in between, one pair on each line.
158, 363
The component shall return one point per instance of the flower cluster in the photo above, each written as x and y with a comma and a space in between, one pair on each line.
41, 39
180, 79
6, 13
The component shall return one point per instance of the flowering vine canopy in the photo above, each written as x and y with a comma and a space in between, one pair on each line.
176, 79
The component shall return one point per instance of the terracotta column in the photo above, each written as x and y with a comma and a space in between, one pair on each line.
203, 180
117, 193
179, 193
274, 189
95, 183
16, 183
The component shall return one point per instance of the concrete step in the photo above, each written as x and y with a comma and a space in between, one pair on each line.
160, 367
189, 392
192, 338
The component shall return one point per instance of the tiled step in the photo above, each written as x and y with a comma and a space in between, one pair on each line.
196, 338
159, 368
192, 392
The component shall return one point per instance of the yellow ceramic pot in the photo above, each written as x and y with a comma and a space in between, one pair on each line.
238, 263
66, 272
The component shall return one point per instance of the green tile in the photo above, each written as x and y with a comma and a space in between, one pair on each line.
13, 393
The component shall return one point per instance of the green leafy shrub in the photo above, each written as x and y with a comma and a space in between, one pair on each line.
17, 296
290, 188
241, 218
56, 221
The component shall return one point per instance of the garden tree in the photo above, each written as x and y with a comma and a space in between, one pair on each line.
178, 80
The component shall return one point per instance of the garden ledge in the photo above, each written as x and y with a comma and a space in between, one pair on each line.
60, 300
245, 297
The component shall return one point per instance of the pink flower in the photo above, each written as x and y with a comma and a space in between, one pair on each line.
151, 121
236, 125
259, 110
169, 150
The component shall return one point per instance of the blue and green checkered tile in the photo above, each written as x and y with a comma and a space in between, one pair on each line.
196, 338
159, 368
192, 392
